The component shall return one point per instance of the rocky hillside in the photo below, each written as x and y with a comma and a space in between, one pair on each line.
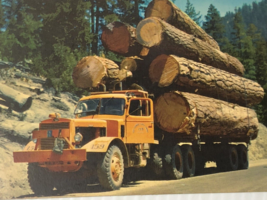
15, 129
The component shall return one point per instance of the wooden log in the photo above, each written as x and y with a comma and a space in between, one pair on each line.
181, 112
205, 80
14, 99
93, 70
120, 38
153, 32
167, 11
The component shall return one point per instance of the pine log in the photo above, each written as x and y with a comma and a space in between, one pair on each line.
93, 70
205, 80
152, 32
120, 38
131, 63
14, 99
167, 11
181, 112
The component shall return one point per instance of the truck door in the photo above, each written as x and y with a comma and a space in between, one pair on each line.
140, 121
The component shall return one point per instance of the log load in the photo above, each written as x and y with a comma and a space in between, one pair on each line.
120, 38
205, 80
14, 99
91, 71
181, 112
153, 32
167, 11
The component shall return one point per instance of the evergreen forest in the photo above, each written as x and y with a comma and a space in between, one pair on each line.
50, 37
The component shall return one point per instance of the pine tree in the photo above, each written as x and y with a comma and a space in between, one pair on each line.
238, 35
191, 12
261, 74
2, 16
213, 24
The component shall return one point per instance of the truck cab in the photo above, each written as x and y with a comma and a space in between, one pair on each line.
111, 131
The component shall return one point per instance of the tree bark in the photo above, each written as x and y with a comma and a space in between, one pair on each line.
167, 11
93, 70
153, 32
120, 38
181, 112
205, 80
14, 99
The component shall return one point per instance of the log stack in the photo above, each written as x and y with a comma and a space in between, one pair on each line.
196, 86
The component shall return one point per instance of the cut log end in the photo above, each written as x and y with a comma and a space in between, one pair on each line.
163, 70
171, 105
161, 9
88, 72
149, 32
129, 64
116, 37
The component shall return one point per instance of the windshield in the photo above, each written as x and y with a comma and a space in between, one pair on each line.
105, 106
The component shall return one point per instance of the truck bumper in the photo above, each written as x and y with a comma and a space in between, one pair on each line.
43, 156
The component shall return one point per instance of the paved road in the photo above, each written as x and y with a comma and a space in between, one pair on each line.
252, 180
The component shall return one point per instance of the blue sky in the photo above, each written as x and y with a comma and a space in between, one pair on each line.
222, 5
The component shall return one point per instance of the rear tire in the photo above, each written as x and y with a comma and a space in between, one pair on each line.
232, 158
40, 179
110, 169
173, 162
189, 161
243, 156
228, 160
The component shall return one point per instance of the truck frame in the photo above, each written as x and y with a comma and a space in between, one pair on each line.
115, 130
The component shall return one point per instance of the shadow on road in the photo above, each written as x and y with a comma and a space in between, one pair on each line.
132, 178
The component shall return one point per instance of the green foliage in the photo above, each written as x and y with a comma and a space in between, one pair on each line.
213, 25
191, 12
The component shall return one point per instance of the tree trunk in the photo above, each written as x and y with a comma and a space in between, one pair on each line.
153, 32
14, 99
120, 38
205, 80
167, 11
93, 70
181, 112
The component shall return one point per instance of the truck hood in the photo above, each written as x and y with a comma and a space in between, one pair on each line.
90, 122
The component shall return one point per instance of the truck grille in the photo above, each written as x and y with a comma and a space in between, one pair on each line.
48, 144
50, 126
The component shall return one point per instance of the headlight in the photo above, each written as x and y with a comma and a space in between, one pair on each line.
78, 137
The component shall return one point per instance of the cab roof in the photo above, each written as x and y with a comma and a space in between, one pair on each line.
117, 93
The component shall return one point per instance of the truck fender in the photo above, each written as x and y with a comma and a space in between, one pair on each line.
30, 146
101, 145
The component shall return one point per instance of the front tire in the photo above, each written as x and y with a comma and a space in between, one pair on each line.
110, 169
40, 179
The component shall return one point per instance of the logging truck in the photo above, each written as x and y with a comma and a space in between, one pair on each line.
115, 130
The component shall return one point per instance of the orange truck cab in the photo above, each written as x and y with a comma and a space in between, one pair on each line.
111, 131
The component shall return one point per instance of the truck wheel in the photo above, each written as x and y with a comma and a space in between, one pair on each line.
232, 158
189, 161
173, 162
228, 160
110, 169
157, 163
243, 156
40, 179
